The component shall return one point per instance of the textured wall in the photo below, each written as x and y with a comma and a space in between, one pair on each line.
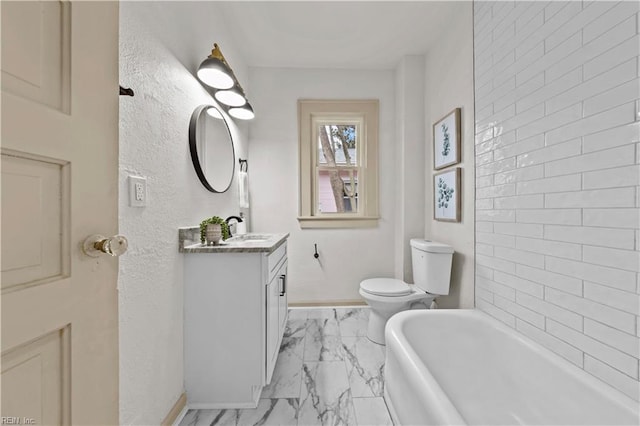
557, 193
154, 143
449, 85
347, 256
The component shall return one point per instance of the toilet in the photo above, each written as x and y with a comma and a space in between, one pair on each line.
431, 264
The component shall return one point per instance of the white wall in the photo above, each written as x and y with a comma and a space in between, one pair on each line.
410, 158
346, 255
558, 157
449, 85
154, 143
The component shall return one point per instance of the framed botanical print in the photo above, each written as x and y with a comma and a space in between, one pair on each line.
446, 195
446, 140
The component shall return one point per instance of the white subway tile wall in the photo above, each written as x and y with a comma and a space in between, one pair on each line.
557, 92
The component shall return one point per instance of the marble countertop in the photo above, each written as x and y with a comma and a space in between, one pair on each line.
189, 242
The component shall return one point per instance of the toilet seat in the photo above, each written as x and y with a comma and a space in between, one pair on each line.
387, 287
416, 295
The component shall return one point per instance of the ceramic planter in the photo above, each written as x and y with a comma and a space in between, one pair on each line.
213, 234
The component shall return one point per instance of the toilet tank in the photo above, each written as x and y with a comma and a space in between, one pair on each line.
431, 265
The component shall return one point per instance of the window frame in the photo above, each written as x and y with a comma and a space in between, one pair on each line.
312, 114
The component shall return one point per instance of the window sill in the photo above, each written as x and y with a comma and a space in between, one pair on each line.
338, 222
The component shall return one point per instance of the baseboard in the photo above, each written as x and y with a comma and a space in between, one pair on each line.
181, 416
224, 405
177, 411
342, 302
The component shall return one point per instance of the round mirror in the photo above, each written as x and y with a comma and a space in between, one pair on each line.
211, 148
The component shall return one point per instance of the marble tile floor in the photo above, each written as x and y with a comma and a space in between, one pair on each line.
327, 373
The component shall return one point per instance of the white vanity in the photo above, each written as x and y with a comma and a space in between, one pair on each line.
235, 311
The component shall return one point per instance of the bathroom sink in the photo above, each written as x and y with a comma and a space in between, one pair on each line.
248, 238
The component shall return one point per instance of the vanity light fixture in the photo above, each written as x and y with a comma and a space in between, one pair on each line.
245, 112
215, 71
218, 77
231, 97
213, 112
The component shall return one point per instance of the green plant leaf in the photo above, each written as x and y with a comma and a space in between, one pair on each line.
213, 220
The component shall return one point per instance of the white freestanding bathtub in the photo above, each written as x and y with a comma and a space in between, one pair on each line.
464, 367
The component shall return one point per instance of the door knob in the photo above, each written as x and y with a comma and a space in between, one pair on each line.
97, 244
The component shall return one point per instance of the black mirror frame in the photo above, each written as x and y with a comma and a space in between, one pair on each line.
193, 125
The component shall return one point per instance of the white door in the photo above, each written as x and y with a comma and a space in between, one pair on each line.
59, 185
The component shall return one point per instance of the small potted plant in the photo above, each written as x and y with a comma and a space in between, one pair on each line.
213, 229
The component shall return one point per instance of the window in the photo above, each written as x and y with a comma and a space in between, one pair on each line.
338, 163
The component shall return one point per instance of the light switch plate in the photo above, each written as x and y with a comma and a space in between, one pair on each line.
137, 191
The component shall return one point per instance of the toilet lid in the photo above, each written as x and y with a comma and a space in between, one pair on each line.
385, 287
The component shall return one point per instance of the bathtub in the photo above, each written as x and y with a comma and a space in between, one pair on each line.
464, 367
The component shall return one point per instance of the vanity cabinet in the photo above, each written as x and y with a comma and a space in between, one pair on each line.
235, 312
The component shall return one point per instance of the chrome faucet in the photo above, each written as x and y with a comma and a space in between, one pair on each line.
238, 220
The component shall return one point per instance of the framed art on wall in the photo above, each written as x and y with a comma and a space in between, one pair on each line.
446, 195
446, 140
